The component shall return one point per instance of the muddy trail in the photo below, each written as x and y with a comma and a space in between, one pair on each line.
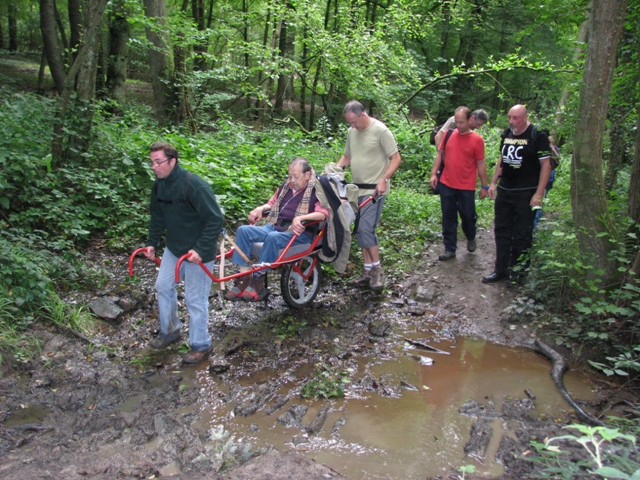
423, 365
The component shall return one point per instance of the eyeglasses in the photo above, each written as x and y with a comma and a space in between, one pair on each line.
352, 124
157, 164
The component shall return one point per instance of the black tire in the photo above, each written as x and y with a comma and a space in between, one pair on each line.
297, 291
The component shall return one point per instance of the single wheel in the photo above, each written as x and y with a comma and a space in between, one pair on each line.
300, 282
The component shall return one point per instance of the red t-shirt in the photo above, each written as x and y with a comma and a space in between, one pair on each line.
462, 154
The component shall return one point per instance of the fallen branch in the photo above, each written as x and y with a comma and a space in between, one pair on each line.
558, 368
418, 343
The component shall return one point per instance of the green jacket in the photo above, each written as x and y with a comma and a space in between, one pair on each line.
184, 209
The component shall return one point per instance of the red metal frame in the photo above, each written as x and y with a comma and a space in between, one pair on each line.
282, 259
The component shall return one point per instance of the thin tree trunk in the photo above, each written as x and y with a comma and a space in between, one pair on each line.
634, 184
1, 35
577, 55
41, 70
51, 46
118, 50
588, 196
63, 34
282, 78
12, 11
159, 68
75, 26
201, 46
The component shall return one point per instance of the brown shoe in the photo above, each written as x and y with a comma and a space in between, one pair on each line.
234, 294
377, 279
193, 356
256, 291
363, 279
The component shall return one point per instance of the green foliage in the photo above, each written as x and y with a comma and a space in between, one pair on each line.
608, 455
288, 327
620, 364
327, 383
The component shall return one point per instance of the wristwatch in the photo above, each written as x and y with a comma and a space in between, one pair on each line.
485, 187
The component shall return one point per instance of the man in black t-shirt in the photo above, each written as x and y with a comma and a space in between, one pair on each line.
523, 170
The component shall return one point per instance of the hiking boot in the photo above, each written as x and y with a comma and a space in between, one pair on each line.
494, 277
377, 279
256, 290
447, 255
161, 342
471, 245
363, 279
234, 294
195, 356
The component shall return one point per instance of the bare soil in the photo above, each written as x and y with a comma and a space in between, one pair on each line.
114, 408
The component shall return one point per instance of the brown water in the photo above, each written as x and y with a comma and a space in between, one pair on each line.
405, 434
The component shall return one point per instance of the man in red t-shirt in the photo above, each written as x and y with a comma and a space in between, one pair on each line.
464, 153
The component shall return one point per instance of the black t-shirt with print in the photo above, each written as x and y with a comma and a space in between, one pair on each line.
521, 157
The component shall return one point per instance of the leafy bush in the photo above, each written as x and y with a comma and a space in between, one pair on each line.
608, 454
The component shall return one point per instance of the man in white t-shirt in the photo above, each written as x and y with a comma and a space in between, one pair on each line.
372, 153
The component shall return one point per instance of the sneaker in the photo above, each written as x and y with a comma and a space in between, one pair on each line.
471, 245
377, 279
363, 279
195, 356
160, 342
447, 255
234, 294
256, 290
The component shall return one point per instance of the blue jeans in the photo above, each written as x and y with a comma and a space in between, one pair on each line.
274, 241
196, 291
453, 202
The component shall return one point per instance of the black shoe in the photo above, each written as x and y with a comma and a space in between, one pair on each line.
471, 245
494, 277
446, 256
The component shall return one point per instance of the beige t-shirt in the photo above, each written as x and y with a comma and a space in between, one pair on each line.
370, 151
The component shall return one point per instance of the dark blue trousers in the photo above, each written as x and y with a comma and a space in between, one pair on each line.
513, 229
452, 203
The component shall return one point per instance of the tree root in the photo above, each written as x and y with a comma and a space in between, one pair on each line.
558, 368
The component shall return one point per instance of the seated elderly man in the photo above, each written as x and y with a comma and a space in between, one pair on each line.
294, 202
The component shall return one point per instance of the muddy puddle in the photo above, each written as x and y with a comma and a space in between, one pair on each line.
406, 409
115, 408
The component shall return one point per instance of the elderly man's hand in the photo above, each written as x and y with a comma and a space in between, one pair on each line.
255, 215
296, 226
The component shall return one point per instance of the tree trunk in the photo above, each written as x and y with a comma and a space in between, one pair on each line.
282, 78
118, 50
201, 46
12, 11
1, 34
63, 35
51, 46
588, 196
577, 55
634, 205
75, 26
634, 183
159, 67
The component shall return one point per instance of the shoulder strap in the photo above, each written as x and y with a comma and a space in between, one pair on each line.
446, 138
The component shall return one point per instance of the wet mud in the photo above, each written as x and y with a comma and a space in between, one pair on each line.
436, 375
